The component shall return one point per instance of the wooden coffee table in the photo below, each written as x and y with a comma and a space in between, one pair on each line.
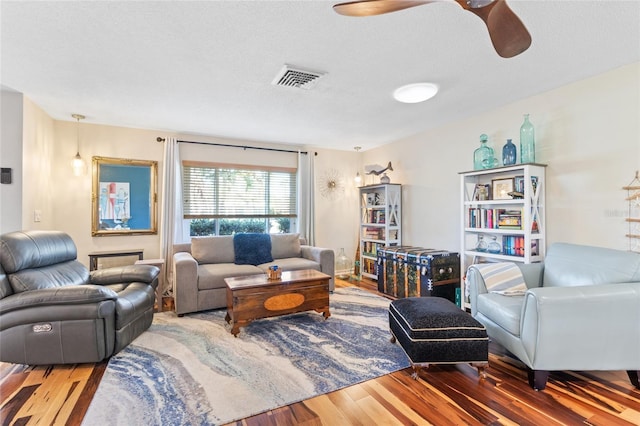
256, 296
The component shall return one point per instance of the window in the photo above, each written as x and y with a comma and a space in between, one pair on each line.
221, 199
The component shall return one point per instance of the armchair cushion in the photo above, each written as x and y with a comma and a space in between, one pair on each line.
252, 249
63, 274
504, 311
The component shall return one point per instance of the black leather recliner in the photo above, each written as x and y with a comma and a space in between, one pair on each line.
53, 311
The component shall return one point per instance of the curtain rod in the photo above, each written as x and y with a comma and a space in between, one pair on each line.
245, 147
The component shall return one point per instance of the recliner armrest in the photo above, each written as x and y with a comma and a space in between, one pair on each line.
67, 295
124, 274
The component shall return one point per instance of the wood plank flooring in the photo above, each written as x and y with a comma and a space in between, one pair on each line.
443, 395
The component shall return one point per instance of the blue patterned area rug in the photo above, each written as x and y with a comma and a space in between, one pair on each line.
192, 371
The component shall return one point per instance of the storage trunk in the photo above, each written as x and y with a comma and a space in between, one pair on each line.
415, 271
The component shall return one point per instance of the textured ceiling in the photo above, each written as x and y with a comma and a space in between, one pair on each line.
205, 68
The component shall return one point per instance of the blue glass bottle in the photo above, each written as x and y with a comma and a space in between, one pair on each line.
483, 157
509, 153
527, 142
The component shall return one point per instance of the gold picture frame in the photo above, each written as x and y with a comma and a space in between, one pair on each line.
124, 198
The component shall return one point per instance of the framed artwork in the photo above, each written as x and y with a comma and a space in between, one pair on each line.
124, 197
500, 188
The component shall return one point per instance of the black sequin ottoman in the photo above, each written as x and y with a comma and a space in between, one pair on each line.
432, 330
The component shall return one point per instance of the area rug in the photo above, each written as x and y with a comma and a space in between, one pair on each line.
191, 370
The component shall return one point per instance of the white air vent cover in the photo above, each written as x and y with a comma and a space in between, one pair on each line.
297, 77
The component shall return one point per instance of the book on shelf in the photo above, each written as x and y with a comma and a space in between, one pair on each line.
373, 233
376, 216
369, 267
369, 248
481, 218
513, 245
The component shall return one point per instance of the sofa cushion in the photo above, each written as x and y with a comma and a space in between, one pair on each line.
213, 249
252, 249
291, 264
502, 310
285, 245
211, 276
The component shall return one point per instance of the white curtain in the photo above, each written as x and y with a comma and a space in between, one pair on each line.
171, 223
306, 196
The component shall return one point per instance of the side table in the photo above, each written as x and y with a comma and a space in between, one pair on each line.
94, 256
160, 264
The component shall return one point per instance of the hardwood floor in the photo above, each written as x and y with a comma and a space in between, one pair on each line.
443, 395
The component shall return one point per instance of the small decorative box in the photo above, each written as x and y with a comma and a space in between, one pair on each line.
274, 273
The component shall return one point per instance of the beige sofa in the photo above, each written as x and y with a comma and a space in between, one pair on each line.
201, 267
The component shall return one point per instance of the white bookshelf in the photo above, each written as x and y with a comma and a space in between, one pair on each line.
518, 224
380, 223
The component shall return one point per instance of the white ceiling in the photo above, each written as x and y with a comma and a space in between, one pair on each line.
205, 68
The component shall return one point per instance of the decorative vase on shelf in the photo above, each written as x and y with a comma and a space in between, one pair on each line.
527, 142
482, 244
483, 157
494, 246
344, 266
509, 153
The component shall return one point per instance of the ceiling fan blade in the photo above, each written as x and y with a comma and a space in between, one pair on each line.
376, 7
508, 34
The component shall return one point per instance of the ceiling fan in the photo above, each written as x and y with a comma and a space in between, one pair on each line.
507, 32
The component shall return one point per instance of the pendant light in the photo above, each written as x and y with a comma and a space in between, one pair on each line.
358, 178
78, 164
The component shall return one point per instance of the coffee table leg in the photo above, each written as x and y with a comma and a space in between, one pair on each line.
324, 311
235, 329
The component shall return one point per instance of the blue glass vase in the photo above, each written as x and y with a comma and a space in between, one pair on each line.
483, 157
509, 153
527, 142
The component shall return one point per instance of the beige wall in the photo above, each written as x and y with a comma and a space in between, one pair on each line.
11, 157
587, 133
40, 159
336, 212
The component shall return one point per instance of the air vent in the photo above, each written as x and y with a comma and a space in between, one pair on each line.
297, 77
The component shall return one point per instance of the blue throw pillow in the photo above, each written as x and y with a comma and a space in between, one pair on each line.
252, 249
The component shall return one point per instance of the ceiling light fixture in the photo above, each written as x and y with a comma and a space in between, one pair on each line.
78, 164
358, 178
416, 92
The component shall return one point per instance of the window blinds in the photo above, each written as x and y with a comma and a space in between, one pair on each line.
222, 191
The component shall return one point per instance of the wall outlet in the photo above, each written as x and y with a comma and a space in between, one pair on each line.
37, 215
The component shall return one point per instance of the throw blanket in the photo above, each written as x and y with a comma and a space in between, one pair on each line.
502, 277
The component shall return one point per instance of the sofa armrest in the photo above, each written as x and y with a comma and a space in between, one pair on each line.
125, 274
185, 283
56, 296
325, 257
582, 328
